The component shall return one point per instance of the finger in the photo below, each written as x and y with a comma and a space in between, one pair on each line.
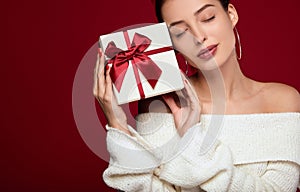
110, 97
183, 92
188, 87
95, 85
171, 103
108, 84
185, 80
183, 76
100, 69
191, 94
100, 75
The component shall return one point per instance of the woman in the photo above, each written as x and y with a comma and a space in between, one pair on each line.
258, 147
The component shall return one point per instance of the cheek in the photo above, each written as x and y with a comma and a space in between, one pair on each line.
224, 35
229, 42
221, 30
184, 44
227, 34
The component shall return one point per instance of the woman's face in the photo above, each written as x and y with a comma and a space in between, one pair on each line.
201, 30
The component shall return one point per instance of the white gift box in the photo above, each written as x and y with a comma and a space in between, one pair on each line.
157, 52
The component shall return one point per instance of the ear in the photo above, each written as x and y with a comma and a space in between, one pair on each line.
233, 15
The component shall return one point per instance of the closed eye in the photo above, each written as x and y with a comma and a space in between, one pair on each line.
209, 19
180, 34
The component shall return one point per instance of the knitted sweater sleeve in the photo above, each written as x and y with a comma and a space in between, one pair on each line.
133, 163
214, 170
136, 165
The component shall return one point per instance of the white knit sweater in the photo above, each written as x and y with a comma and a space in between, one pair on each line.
250, 152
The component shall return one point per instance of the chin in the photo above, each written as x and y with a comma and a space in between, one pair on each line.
205, 65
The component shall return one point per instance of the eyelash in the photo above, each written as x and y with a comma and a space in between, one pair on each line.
210, 19
180, 34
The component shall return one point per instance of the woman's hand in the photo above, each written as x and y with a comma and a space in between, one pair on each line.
185, 116
102, 90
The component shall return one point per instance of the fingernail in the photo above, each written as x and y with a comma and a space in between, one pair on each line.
107, 67
100, 52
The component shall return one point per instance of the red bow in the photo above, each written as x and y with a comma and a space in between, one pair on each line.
139, 59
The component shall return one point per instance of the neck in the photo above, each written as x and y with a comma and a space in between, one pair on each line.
226, 81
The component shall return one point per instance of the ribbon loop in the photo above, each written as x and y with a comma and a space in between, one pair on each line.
139, 59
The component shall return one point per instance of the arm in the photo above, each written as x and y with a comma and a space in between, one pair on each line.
212, 171
133, 163
215, 171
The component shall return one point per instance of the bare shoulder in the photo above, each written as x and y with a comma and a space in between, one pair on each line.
281, 98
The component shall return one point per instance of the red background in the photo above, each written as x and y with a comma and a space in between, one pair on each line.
43, 43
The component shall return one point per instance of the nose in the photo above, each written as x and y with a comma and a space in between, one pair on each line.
199, 35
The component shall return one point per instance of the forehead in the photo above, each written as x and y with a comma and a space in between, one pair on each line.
177, 8
191, 1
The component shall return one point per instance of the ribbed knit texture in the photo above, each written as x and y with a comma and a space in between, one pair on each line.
250, 152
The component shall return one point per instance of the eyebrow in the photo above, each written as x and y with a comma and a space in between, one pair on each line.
197, 12
202, 8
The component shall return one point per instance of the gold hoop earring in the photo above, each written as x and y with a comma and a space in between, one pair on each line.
239, 42
186, 69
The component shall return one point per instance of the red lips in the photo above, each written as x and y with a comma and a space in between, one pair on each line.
207, 52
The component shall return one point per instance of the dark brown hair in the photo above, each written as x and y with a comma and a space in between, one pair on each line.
159, 4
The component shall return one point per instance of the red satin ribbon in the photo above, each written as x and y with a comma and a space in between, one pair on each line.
139, 59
